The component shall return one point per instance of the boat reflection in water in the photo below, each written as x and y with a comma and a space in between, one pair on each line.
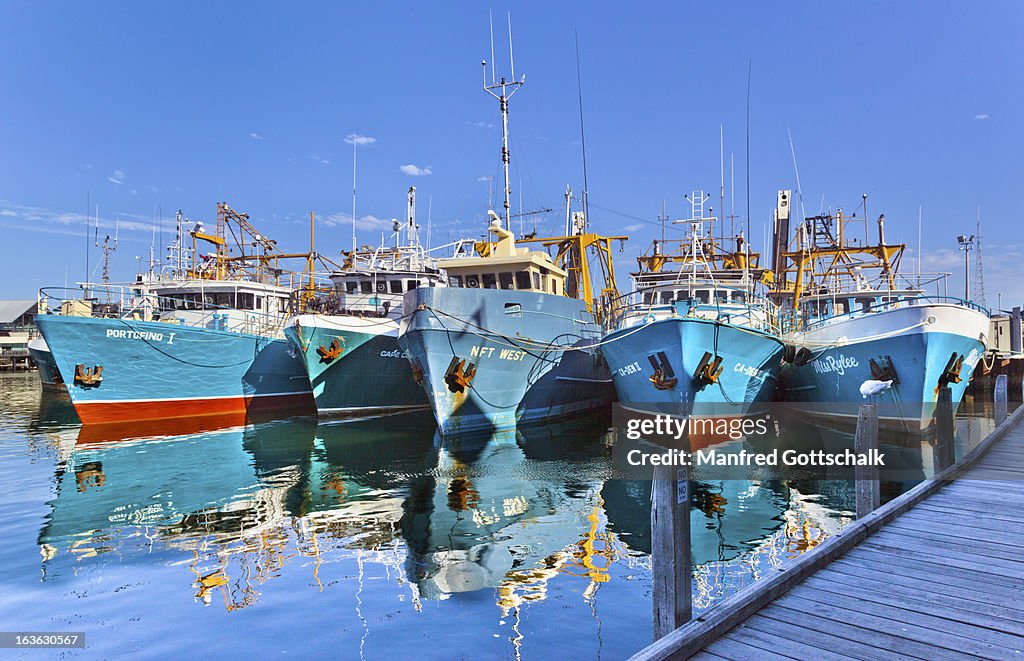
511, 510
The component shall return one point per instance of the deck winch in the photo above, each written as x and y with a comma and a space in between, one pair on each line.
330, 353
88, 377
664, 377
459, 374
708, 370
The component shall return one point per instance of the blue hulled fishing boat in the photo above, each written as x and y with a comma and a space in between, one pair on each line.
347, 334
202, 338
697, 338
515, 334
862, 329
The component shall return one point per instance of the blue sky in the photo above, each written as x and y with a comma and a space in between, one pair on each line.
147, 106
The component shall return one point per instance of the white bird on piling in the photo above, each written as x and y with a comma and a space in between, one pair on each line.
871, 387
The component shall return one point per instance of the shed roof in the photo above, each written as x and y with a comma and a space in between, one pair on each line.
11, 310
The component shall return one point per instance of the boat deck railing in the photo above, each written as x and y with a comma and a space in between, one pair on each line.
754, 311
790, 320
131, 303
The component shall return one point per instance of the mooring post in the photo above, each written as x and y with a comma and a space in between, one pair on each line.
865, 442
944, 453
670, 548
1000, 399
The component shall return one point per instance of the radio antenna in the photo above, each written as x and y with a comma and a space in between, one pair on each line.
583, 135
507, 88
746, 242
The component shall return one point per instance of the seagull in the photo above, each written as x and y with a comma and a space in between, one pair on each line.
870, 388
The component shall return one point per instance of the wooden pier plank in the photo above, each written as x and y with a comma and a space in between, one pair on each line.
936, 573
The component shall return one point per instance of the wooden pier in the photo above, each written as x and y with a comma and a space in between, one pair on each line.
937, 573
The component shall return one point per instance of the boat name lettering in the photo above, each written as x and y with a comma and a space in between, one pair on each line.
128, 334
632, 368
837, 364
504, 354
394, 353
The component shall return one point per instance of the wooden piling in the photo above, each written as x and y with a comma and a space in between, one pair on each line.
944, 453
1000, 399
670, 548
865, 440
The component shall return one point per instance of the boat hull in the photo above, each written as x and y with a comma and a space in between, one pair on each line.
370, 375
517, 343
49, 375
154, 370
750, 362
917, 342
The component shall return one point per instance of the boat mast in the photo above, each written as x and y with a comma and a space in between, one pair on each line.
503, 97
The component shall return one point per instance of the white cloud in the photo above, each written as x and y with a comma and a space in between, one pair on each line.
981, 116
356, 139
38, 218
318, 159
117, 177
633, 228
256, 136
483, 178
414, 170
482, 124
367, 222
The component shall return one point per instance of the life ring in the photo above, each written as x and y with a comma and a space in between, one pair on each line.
381, 287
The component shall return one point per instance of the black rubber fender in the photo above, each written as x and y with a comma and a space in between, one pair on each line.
788, 353
802, 357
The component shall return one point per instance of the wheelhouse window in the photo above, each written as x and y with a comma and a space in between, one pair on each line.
246, 301
395, 286
365, 287
648, 297
505, 280
865, 303
351, 287
666, 297
455, 281
522, 280
259, 302
722, 295
702, 295
412, 284
490, 281
536, 281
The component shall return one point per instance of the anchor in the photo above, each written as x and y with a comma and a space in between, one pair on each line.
708, 370
88, 377
459, 374
664, 377
329, 354
417, 372
951, 372
884, 370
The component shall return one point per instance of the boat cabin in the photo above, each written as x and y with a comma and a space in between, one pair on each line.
504, 266
243, 306
822, 305
376, 292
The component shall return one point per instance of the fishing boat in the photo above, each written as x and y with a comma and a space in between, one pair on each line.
694, 336
514, 336
201, 338
49, 375
864, 330
347, 334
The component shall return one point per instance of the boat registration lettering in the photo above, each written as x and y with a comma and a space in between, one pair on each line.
748, 370
626, 370
128, 334
838, 364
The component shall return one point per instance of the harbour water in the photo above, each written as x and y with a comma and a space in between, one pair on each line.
367, 538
